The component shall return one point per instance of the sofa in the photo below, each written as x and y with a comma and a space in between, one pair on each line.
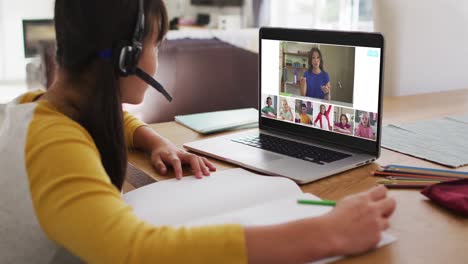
201, 74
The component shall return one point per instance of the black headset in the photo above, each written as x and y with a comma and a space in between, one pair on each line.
130, 55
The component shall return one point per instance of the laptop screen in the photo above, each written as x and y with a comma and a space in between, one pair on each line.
330, 87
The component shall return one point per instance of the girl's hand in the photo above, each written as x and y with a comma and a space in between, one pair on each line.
168, 154
325, 89
357, 221
303, 81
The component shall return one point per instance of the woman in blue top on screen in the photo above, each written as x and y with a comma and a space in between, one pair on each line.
316, 81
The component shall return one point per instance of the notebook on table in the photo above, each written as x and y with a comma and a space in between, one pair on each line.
211, 122
441, 140
234, 196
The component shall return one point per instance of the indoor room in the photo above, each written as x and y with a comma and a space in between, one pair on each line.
233, 131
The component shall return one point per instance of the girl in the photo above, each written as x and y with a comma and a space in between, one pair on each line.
63, 157
285, 112
364, 129
343, 126
323, 118
316, 81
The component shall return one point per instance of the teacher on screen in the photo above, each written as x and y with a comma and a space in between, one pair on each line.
316, 81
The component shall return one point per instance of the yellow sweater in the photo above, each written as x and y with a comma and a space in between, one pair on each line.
77, 206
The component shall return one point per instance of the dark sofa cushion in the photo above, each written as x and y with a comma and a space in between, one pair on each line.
202, 75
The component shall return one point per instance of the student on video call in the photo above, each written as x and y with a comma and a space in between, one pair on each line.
268, 110
323, 118
316, 81
304, 117
71, 168
343, 126
364, 128
285, 112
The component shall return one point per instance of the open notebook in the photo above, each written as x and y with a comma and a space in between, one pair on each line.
228, 196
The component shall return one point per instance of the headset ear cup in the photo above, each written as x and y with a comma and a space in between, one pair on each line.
120, 62
128, 60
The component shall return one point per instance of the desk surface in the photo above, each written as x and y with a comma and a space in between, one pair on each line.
426, 233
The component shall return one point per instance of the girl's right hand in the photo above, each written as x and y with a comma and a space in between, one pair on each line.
357, 221
353, 227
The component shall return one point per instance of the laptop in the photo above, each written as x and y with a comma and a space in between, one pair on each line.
320, 102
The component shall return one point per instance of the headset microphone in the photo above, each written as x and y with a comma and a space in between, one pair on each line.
130, 55
151, 81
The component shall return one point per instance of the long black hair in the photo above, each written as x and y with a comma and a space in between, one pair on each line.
84, 28
346, 117
311, 53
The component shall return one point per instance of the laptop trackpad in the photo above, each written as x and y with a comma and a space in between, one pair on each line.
258, 157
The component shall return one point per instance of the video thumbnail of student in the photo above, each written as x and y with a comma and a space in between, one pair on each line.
366, 125
323, 116
304, 112
269, 106
343, 121
319, 71
286, 109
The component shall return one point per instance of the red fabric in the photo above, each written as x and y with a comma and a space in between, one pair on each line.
452, 195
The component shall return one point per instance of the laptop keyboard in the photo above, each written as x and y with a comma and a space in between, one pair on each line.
292, 148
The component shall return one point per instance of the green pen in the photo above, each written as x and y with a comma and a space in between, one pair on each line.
317, 202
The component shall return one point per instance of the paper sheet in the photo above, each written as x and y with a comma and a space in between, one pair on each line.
444, 140
174, 202
385, 240
277, 212
228, 196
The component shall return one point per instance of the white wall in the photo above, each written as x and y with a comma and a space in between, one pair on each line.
178, 8
2, 51
426, 44
12, 14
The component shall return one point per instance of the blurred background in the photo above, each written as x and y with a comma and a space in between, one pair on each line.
425, 45
24, 24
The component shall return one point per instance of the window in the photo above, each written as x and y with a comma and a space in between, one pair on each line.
323, 14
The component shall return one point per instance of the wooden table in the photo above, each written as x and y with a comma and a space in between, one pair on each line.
426, 233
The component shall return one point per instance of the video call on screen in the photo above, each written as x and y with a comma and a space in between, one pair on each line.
322, 86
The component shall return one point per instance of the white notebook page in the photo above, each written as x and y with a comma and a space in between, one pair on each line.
175, 202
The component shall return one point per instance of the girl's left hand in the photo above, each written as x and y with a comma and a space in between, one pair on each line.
326, 89
168, 154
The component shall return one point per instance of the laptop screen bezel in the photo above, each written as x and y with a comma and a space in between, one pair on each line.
362, 39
